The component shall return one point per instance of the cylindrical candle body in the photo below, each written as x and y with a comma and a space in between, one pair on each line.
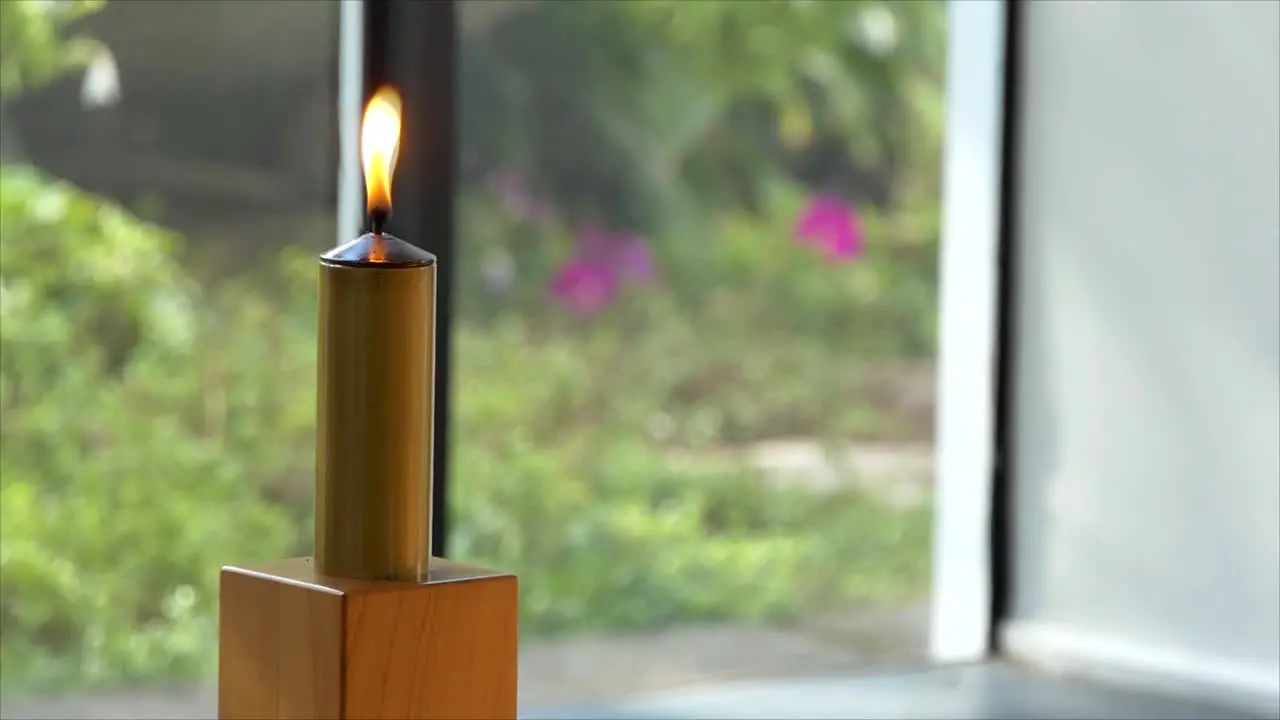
375, 410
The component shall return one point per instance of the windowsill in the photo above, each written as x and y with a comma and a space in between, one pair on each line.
989, 691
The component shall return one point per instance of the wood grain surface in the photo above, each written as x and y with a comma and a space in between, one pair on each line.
296, 646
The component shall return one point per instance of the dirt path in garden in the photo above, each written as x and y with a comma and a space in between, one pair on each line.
899, 473
898, 467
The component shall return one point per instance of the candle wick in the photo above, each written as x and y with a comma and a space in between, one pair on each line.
378, 220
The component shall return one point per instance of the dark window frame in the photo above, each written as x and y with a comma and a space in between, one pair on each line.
413, 46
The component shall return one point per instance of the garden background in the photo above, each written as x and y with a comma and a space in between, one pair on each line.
688, 232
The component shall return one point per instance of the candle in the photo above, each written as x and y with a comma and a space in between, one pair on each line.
376, 385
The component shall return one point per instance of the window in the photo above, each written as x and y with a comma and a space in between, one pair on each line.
691, 289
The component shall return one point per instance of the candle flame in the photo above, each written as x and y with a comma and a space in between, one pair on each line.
379, 146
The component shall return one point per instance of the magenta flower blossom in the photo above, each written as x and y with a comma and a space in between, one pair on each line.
626, 255
602, 263
634, 260
584, 286
831, 227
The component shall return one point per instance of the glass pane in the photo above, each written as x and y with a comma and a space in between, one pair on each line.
169, 172
696, 334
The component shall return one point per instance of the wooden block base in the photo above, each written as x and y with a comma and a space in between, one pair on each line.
295, 645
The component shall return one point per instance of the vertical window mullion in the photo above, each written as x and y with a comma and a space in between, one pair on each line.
412, 46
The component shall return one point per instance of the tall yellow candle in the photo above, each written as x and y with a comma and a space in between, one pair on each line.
376, 385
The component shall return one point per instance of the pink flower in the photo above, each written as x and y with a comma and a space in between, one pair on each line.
584, 286
602, 262
831, 227
627, 255
634, 260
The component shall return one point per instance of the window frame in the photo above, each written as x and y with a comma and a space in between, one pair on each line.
971, 543
413, 46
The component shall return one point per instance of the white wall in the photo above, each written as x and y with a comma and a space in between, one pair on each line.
1147, 411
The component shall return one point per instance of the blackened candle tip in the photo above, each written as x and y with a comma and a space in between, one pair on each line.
380, 250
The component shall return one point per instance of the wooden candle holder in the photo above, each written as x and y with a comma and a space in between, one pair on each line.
295, 645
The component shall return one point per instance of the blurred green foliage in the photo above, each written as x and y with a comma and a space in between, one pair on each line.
153, 428
574, 485
646, 113
34, 46
118, 495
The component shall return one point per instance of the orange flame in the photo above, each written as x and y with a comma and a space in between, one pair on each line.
379, 146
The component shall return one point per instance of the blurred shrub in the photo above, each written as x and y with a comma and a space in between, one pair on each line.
645, 114
130, 457
120, 494
764, 338
33, 47
706, 131
579, 487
